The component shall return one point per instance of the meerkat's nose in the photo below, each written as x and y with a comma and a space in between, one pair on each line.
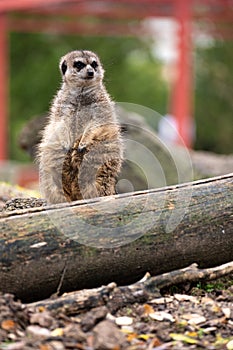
90, 72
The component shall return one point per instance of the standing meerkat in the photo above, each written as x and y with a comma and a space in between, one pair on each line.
81, 151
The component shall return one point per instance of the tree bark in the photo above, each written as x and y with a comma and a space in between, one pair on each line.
86, 244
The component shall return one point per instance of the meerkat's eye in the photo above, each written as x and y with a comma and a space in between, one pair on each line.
79, 65
94, 64
64, 67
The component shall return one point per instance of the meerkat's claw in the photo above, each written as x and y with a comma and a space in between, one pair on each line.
82, 148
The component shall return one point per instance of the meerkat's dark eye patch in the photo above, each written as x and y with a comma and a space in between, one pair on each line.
64, 67
94, 65
79, 65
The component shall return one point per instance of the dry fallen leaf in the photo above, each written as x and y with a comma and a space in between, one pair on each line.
191, 334
220, 340
146, 336
58, 332
147, 309
216, 308
154, 343
44, 347
131, 337
182, 323
41, 308
8, 325
184, 338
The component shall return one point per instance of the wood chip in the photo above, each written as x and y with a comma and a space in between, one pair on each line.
161, 316
162, 300
209, 329
226, 311
230, 345
16, 346
184, 297
38, 332
194, 318
124, 321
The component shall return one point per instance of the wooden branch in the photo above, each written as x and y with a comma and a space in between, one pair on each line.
116, 297
119, 238
189, 274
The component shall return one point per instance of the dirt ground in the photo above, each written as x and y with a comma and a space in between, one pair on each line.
184, 317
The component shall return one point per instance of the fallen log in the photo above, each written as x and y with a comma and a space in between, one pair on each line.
89, 243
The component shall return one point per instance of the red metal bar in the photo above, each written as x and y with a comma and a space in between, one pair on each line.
3, 87
181, 99
13, 5
218, 9
109, 9
9, 5
53, 25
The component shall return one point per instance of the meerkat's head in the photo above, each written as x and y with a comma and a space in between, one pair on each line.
81, 68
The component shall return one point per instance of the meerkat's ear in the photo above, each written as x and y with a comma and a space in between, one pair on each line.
63, 67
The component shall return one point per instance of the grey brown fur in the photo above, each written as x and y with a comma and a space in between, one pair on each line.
81, 151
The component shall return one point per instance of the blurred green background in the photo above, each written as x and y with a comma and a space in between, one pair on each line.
133, 74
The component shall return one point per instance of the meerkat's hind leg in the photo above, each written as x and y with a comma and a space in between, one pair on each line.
51, 187
70, 173
106, 178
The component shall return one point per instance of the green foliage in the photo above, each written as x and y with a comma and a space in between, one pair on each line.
208, 287
132, 74
219, 284
213, 98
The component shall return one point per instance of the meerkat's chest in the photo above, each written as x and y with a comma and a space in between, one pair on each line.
73, 121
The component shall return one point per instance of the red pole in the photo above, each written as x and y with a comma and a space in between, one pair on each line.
181, 98
3, 87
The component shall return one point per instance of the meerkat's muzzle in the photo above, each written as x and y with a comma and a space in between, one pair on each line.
90, 74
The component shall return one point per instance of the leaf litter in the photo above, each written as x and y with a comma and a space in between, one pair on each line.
198, 320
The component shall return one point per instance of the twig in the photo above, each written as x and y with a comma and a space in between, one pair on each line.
55, 295
188, 274
116, 297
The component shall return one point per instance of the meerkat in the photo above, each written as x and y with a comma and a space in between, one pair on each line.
81, 151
